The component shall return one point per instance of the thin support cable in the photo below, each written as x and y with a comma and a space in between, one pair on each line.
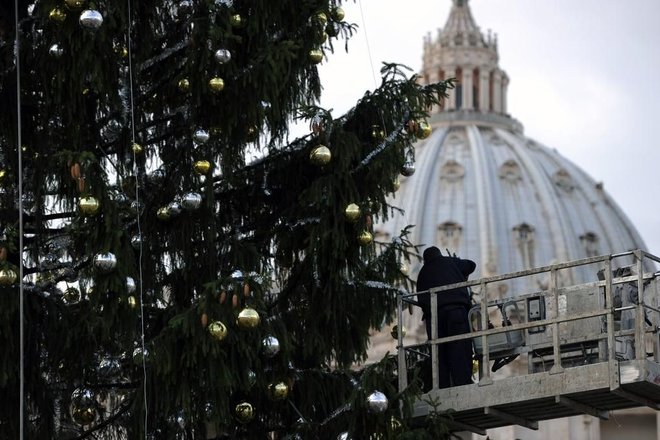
139, 228
21, 305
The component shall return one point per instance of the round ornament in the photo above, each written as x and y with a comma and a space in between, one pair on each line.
395, 332
163, 213
338, 13
321, 18
174, 209
184, 85
83, 408
137, 148
278, 391
222, 56
201, 136
71, 295
244, 412
57, 15
91, 19
7, 277
132, 302
218, 330
315, 56
202, 167
236, 20
408, 169
270, 346
105, 262
365, 238
377, 402
191, 201
423, 130
320, 155
216, 84
74, 4
89, 205
136, 241
55, 51
343, 436
248, 318
352, 212
131, 287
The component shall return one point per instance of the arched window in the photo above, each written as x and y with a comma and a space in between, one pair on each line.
449, 235
590, 244
510, 171
523, 235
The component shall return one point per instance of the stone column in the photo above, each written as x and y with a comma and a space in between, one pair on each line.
505, 89
484, 98
450, 103
467, 88
497, 91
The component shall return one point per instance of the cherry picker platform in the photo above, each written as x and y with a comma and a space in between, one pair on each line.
574, 347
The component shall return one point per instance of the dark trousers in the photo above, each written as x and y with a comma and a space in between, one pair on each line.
454, 358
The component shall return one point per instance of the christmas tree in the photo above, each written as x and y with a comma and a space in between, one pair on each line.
157, 283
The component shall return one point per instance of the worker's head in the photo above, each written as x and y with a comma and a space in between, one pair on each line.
431, 253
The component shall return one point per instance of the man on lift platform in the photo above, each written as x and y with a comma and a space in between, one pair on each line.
455, 358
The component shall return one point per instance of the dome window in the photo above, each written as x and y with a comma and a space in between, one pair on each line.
590, 244
510, 171
523, 235
564, 180
452, 171
449, 235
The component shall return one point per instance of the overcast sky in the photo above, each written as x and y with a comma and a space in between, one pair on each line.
585, 80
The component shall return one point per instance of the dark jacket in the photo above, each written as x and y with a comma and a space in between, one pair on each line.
439, 270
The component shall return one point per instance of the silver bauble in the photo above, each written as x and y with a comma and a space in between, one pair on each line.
156, 176
109, 367
139, 355
201, 136
136, 241
222, 56
55, 51
271, 346
191, 201
130, 286
174, 209
83, 406
251, 378
344, 436
105, 262
91, 19
377, 402
408, 169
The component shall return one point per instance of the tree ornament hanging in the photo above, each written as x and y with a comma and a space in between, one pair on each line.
91, 19
248, 318
89, 205
191, 201
71, 295
320, 155
270, 346
137, 148
184, 85
365, 238
423, 130
55, 51
377, 402
408, 169
132, 302
131, 287
315, 56
174, 208
201, 136
218, 330
278, 391
236, 20
83, 406
395, 331
321, 18
7, 277
216, 84
222, 56
244, 412
136, 241
202, 167
352, 212
57, 15
163, 213
343, 436
105, 262
74, 4
338, 13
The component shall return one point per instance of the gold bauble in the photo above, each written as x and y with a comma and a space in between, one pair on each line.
423, 130
315, 56
377, 132
202, 167
89, 205
184, 85
132, 302
338, 13
71, 295
3, 175
236, 20
352, 212
216, 84
396, 184
320, 155
74, 4
163, 213
248, 318
278, 391
322, 18
137, 148
57, 15
83, 415
244, 412
7, 277
395, 331
322, 37
218, 330
122, 51
365, 238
